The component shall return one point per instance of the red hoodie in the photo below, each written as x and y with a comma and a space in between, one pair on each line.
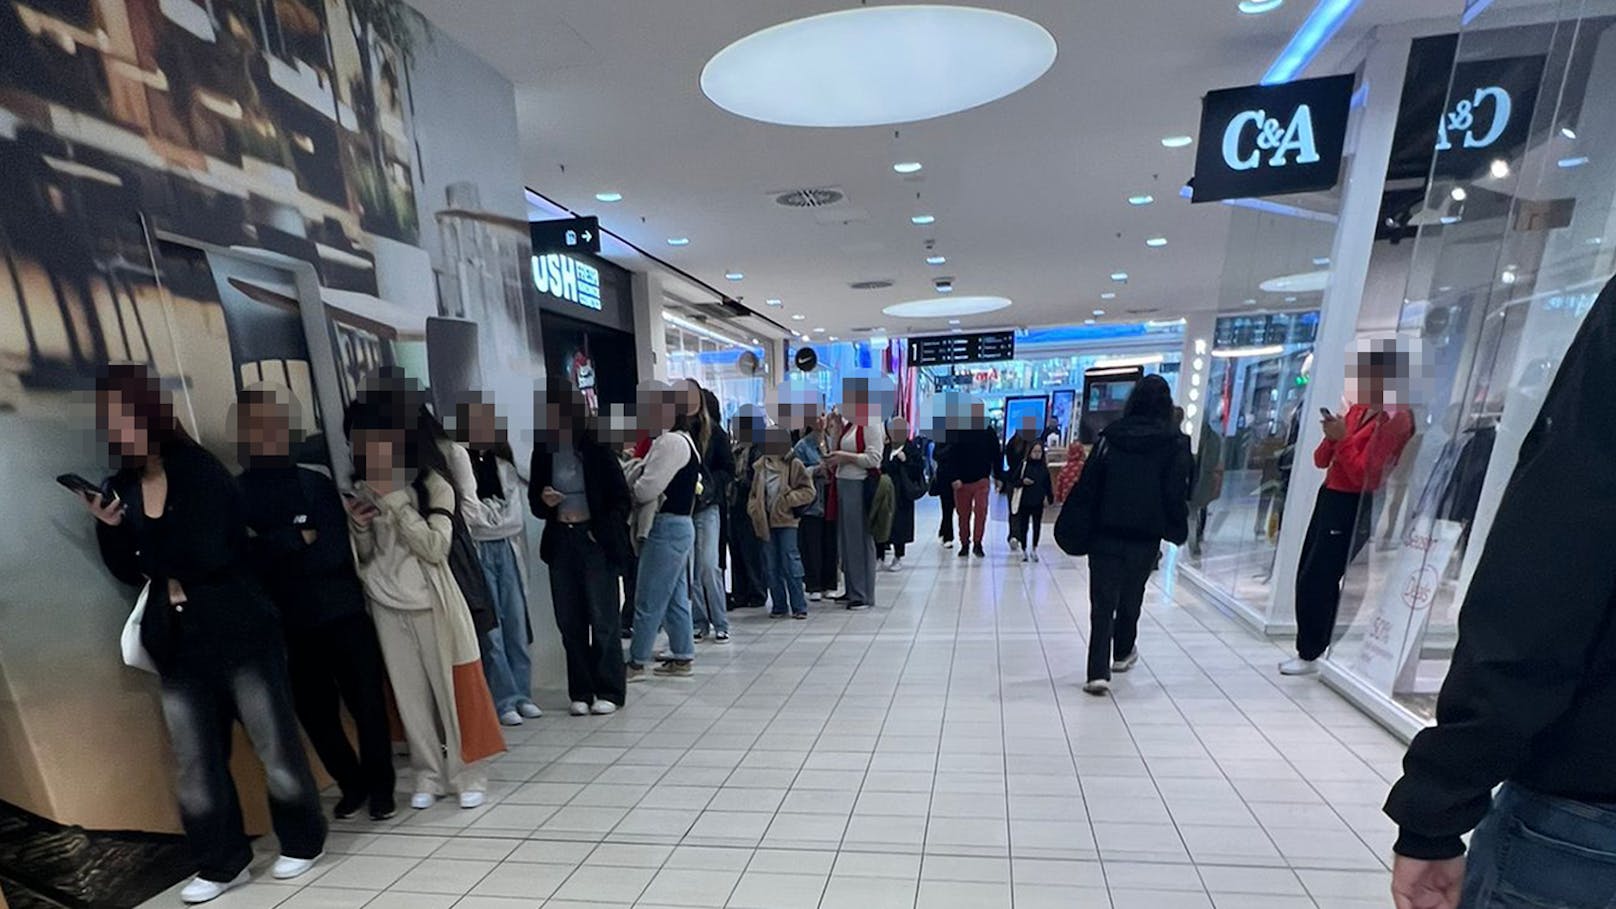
1360, 462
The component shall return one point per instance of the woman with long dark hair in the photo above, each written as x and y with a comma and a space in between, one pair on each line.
707, 604
172, 518
670, 477
1134, 493
401, 518
577, 488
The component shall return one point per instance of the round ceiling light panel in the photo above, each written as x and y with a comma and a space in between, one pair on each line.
947, 307
1310, 282
878, 65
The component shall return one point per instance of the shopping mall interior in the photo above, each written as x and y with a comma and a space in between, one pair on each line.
1023, 206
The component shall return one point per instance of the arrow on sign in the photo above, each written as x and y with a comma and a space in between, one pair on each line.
588, 236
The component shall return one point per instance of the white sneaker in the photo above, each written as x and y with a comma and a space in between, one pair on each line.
579, 708
1299, 666
1127, 662
1097, 687
201, 891
530, 710
816, 597
897, 565
603, 707
287, 867
510, 718
1026, 557
1015, 545
473, 799
422, 800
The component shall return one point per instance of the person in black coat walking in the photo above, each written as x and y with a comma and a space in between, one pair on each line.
1134, 493
1030, 489
905, 462
577, 487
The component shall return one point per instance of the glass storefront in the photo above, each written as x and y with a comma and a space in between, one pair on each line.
735, 370
1509, 252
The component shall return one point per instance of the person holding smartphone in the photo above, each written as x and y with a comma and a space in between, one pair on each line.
1357, 452
173, 519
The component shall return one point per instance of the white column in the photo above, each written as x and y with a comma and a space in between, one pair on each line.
1370, 145
651, 356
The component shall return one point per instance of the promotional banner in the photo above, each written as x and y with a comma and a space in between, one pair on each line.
1268, 140
1390, 652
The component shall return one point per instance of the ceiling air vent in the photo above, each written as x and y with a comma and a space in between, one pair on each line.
816, 197
877, 284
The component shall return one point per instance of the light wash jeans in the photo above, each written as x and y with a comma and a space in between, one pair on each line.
1537, 850
783, 563
707, 607
507, 663
662, 590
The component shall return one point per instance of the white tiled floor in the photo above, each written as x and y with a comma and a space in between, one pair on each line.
934, 752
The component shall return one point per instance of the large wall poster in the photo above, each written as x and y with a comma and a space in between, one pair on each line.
346, 134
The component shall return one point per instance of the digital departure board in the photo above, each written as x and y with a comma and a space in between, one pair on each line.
978, 347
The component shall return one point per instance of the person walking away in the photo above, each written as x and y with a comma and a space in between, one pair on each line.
493, 516
300, 548
172, 518
816, 532
974, 459
942, 486
1530, 700
781, 487
1358, 450
578, 489
671, 476
401, 521
904, 461
857, 460
1030, 490
1134, 494
708, 606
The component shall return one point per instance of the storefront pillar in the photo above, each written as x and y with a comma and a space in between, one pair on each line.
1370, 145
651, 353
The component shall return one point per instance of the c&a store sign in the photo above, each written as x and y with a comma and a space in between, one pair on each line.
1268, 140
1488, 114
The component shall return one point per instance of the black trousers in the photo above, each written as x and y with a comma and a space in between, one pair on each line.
339, 664
1338, 531
945, 530
583, 588
897, 549
1032, 518
749, 587
201, 704
816, 538
1118, 573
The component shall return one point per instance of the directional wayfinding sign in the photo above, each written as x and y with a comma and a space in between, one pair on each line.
566, 235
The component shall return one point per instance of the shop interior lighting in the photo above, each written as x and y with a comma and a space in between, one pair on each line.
1109, 295
819, 331
946, 307
1258, 7
704, 331
936, 260
923, 220
1320, 26
1176, 141
807, 339
1459, 194
1569, 133
907, 167
1143, 199
1121, 277
878, 65
608, 197
1568, 163
773, 302
678, 241
1236, 353
798, 317
1156, 242
1499, 169
1099, 312
1140, 360
833, 339
733, 275
1166, 323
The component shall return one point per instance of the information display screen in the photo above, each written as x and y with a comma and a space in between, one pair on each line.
979, 347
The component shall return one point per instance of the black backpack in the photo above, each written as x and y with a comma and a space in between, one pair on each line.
464, 563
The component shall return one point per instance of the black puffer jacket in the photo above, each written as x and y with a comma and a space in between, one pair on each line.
1141, 469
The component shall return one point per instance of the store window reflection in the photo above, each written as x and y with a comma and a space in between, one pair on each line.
734, 369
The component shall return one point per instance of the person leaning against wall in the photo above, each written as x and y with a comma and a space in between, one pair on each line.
300, 547
172, 518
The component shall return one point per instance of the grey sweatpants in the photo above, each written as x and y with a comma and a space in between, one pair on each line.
854, 540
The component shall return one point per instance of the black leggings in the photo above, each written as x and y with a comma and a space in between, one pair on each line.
1029, 518
1338, 530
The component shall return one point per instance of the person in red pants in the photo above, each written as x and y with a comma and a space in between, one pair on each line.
974, 459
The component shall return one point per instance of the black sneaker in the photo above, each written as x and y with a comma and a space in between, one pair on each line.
965, 552
980, 553
382, 809
856, 606
348, 806
677, 668
628, 634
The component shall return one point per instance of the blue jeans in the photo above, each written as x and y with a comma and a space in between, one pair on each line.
662, 589
783, 563
507, 664
1540, 852
707, 607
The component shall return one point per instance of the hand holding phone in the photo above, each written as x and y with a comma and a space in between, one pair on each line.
1334, 428
359, 509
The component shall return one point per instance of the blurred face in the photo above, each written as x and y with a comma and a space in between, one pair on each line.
776, 441
1036, 453
126, 434
481, 423
265, 429
382, 451
898, 432
691, 400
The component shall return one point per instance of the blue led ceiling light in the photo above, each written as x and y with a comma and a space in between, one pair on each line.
1258, 7
1321, 25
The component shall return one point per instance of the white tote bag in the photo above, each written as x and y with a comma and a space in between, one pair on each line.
134, 653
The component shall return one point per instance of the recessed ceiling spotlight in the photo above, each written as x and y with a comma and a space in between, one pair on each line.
1143, 199
756, 341
1568, 132
1156, 242
819, 331
833, 339
878, 65
922, 219
1499, 168
1321, 261
1099, 312
953, 321
1459, 194
1568, 163
678, 241
1088, 321
773, 302
1176, 141
1109, 295
798, 317
1258, 7
936, 260
608, 197
1508, 277
1121, 277
907, 167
